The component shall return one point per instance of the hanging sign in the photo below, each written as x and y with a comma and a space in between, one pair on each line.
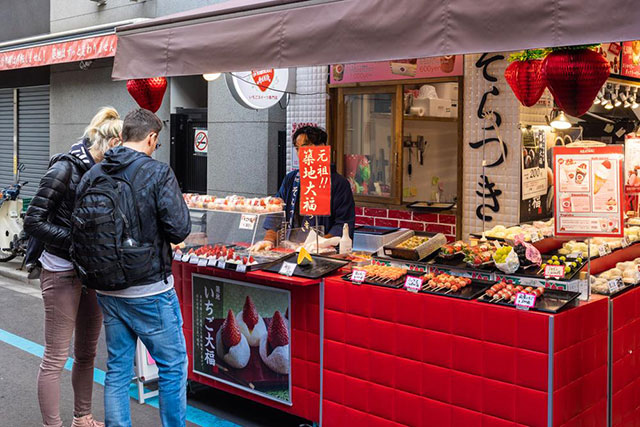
260, 89
59, 53
631, 59
315, 180
200, 141
588, 191
416, 68
632, 165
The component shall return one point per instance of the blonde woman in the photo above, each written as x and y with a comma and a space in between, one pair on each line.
67, 306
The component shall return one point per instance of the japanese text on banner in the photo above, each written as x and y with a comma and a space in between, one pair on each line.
315, 180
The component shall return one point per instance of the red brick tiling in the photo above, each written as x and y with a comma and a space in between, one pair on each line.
364, 220
446, 219
382, 213
425, 217
437, 228
359, 211
399, 214
450, 239
418, 226
382, 222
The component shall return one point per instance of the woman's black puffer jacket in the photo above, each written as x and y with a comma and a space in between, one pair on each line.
49, 215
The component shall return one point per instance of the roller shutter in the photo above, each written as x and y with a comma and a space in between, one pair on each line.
33, 135
6, 137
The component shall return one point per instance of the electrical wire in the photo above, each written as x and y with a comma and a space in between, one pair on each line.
277, 90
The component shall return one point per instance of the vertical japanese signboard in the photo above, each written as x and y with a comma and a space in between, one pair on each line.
534, 182
589, 191
242, 336
315, 180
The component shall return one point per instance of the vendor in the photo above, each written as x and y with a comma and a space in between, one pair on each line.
343, 208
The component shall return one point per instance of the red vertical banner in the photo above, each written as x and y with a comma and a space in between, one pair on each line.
315, 180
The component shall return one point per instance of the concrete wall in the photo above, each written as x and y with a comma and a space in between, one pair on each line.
23, 18
77, 95
243, 145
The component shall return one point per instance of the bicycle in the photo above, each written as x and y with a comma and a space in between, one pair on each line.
13, 239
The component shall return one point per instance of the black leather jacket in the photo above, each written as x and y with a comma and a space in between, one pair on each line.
49, 215
164, 216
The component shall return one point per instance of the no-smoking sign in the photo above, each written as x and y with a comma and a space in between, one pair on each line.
201, 141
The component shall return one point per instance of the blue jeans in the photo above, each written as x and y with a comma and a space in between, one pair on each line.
157, 321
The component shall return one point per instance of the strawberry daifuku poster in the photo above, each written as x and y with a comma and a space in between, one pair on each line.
242, 335
588, 191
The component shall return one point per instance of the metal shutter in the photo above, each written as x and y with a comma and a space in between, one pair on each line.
6, 137
33, 135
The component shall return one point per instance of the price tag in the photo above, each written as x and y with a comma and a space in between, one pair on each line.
525, 301
554, 271
193, 259
614, 285
536, 237
287, 269
413, 283
602, 249
202, 262
608, 248
222, 263
574, 255
247, 222
177, 256
211, 262
241, 268
358, 276
625, 242
497, 244
185, 258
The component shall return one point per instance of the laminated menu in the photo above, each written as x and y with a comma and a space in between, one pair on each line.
588, 191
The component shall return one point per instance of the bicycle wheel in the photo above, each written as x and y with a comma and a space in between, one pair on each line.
6, 256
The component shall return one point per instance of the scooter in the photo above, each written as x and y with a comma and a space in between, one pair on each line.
13, 239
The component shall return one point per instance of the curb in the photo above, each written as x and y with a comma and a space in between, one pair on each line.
11, 270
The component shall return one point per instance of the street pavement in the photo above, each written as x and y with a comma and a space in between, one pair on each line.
21, 341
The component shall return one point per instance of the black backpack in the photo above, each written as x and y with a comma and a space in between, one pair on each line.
106, 247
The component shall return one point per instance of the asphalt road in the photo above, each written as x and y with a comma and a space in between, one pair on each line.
21, 338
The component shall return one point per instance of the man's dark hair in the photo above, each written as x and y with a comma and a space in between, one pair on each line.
138, 124
314, 134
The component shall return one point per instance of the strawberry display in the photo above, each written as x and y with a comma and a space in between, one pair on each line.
230, 331
249, 313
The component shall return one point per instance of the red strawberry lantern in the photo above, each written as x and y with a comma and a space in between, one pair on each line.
526, 78
574, 77
148, 93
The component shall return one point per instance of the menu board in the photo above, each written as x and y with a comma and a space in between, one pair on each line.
588, 191
631, 59
416, 68
632, 165
242, 335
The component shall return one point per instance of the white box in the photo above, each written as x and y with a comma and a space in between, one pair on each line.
434, 107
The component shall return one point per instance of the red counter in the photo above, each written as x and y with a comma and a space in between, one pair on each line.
395, 358
305, 339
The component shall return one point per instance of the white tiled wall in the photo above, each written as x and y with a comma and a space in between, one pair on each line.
506, 176
307, 108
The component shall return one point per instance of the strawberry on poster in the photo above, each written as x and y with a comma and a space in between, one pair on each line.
315, 180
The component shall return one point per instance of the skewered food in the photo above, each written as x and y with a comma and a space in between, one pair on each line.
384, 272
444, 282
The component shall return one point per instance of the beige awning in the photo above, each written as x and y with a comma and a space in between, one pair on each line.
248, 34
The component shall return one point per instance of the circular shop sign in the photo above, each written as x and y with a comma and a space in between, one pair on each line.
259, 89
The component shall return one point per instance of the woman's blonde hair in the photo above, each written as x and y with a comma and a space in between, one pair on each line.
104, 126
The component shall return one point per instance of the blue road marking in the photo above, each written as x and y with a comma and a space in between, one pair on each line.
194, 415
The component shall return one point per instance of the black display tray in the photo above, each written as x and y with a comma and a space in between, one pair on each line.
376, 231
431, 206
396, 284
551, 302
320, 267
476, 288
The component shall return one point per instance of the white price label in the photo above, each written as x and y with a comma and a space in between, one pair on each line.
222, 263
497, 244
554, 271
574, 255
413, 283
211, 262
185, 258
202, 262
358, 276
602, 249
177, 256
525, 301
247, 222
193, 259
287, 269
625, 242
241, 268
536, 237
614, 285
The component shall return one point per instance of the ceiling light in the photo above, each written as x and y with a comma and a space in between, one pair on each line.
617, 102
627, 104
597, 101
608, 105
211, 76
561, 121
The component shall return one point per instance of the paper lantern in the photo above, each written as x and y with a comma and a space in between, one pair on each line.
148, 93
574, 77
526, 80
